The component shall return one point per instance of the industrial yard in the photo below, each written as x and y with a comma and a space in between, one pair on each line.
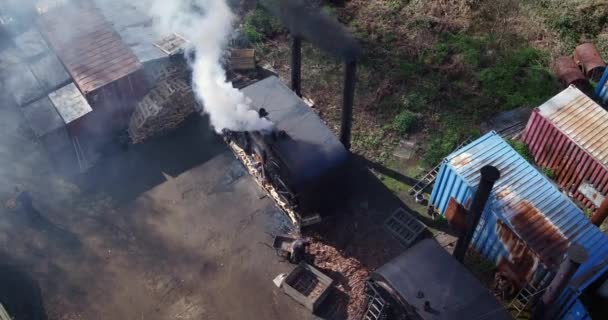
303, 159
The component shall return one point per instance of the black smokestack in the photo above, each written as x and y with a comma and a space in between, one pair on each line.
489, 175
296, 65
308, 22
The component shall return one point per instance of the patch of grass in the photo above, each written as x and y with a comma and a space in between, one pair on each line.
519, 78
407, 70
522, 149
404, 122
394, 185
470, 47
549, 173
259, 25
574, 21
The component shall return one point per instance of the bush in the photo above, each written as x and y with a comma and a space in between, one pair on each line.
522, 149
259, 24
549, 173
404, 122
519, 79
440, 146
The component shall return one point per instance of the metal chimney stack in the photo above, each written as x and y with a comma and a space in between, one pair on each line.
546, 308
296, 65
489, 175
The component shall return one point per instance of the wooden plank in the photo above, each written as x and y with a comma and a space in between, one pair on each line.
242, 59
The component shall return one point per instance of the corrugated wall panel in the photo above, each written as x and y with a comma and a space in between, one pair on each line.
523, 201
565, 135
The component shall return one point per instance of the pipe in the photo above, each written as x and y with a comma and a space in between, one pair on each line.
296, 65
350, 79
547, 308
489, 175
601, 214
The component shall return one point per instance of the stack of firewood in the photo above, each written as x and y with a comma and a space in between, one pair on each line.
163, 109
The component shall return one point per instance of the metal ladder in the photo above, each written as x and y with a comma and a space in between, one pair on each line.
376, 307
525, 299
430, 177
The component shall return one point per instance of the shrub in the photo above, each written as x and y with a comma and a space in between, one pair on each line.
549, 173
259, 24
404, 122
519, 79
522, 149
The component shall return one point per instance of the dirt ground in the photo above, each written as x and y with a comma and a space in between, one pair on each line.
173, 229
169, 229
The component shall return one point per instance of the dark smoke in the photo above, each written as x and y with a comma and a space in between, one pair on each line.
310, 23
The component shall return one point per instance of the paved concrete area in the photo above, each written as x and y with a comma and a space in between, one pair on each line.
172, 229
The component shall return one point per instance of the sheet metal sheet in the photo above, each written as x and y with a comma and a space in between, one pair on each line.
42, 117
523, 199
70, 103
31, 43
23, 85
454, 293
569, 135
49, 72
131, 21
94, 54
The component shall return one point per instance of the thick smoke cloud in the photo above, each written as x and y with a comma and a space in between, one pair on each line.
208, 25
307, 21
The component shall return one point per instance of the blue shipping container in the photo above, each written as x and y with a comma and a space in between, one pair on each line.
601, 91
527, 221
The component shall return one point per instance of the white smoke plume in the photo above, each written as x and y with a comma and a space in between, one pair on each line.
208, 25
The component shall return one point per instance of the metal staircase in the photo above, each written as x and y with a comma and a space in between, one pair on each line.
430, 177
525, 299
376, 306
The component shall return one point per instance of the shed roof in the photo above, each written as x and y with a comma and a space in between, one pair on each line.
532, 206
70, 103
454, 293
581, 119
93, 53
42, 117
131, 20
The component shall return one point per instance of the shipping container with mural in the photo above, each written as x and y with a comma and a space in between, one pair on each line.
568, 137
528, 224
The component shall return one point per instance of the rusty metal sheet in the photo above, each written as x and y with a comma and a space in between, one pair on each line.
456, 216
569, 135
523, 200
588, 58
93, 53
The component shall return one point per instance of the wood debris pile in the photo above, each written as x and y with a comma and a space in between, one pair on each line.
352, 275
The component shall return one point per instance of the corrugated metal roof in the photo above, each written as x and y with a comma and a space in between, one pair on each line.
42, 117
531, 205
131, 21
581, 119
70, 103
31, 43
601, 91
93, 53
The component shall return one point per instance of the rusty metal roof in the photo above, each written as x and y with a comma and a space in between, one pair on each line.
87, 45
523, 198
580, 119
